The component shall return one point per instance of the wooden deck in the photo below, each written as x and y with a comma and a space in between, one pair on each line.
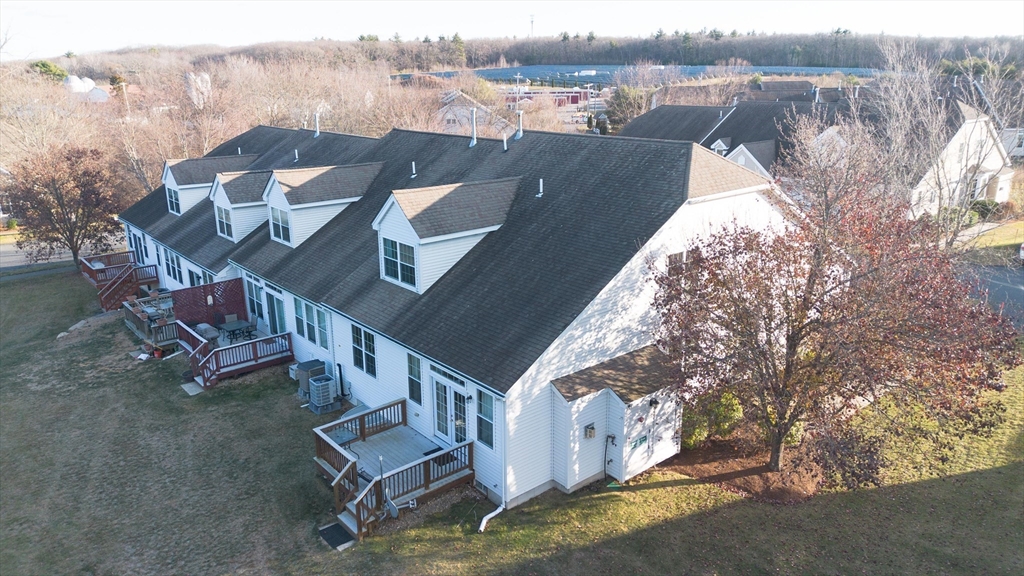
399, 446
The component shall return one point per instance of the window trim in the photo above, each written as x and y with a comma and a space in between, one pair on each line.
280, 226
173, 201
415, 382
404, 270
224, 223
364, 350
172, 265
481, 419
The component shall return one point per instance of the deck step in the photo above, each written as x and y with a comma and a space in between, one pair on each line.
348, 522
326, 467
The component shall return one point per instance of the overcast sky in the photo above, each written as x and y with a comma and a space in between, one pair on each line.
40, 29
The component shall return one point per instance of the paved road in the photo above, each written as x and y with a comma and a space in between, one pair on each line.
1005, 285
10, 256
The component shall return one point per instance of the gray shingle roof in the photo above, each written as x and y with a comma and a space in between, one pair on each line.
499, 307
631, 376
765, 152
440, 210
203, 170
324, 183
684, 123
244, 187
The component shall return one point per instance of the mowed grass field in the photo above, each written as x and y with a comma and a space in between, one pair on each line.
107, 467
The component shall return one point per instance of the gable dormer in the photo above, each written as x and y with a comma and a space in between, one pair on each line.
423, 232
188, 182
721, 146
238, 202
301, 200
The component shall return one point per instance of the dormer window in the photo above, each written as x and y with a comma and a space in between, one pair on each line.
279, 227
224, 222
173, 202
399, 262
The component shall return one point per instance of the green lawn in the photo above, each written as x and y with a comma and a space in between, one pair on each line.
107, 467
999, 245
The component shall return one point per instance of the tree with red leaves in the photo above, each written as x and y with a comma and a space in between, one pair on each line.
850, 309
66, 198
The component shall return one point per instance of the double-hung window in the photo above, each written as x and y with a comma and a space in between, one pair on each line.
224, 222
310, 322
364, 352
173, 203
415, 380
485, 418
279, 226
194, 278
399, 262
172, 265
207, 277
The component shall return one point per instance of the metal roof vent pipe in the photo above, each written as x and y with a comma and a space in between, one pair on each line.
413, 170
239, 150
541, 193
735, 100
504, 142
519, 131
719, 114
472, 142
316, 123
296, 155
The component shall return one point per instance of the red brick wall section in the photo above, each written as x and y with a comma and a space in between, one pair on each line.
191, 305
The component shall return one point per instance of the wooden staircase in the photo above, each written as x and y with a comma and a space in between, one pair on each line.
126, 283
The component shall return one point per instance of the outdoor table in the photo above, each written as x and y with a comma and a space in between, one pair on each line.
236, 330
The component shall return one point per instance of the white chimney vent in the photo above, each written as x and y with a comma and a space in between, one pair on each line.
504, 141
413, 170
541, 193
472, 142
519, 132
239, 150
316, 123
296, 155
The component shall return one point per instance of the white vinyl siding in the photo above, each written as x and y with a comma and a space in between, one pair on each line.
436, 258
247, 219
303, 220
619, 320
559, 437
586, 455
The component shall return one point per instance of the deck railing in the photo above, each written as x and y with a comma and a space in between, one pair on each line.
102, 268
368, 502
238, 358
189, 337
126, 282
429, 471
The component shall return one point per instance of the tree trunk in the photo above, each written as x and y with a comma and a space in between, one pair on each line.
74, 256
775, 463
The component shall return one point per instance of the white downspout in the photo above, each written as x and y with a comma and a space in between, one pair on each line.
483, 523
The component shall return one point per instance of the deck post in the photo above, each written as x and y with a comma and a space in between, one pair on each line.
404, 422
426, 475
470, 448
362, 427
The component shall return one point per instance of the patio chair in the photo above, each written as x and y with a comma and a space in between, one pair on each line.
230, 318
250, 333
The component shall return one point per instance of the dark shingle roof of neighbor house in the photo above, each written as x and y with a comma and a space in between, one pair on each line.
244, 187
787, 85
203, 170
631, 376
740, 124
765, 152
277, 147
324, 183
499, 307
452, 208
686, 123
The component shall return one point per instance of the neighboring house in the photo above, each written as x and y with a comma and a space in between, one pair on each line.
456, 117
1013, 142
750, 134
501, 297
973, 165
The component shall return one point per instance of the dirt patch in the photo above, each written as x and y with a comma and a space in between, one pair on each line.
411, 518
734, 466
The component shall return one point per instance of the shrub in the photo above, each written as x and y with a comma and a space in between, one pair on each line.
12, 223
985, 208
724, 414
966, 219
693, 429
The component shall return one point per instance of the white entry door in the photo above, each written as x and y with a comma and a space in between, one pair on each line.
450, 414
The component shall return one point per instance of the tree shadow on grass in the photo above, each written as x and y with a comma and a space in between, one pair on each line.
965, 524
